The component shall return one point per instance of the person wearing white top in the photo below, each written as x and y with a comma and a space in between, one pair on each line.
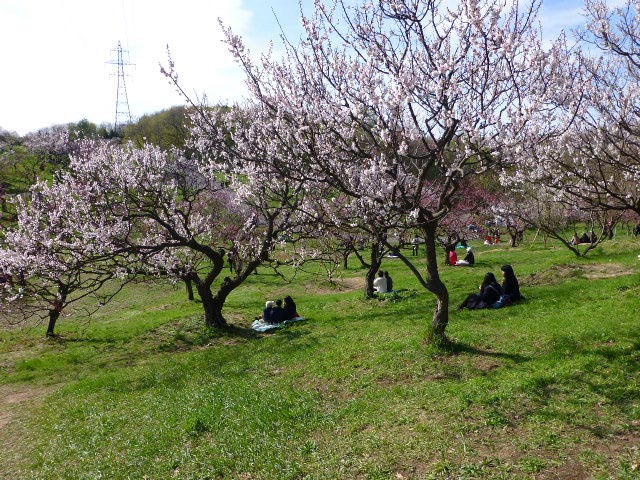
380, 283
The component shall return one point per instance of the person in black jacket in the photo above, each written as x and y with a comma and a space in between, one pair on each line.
289, 308
490, 292
510, 284
277, 314
468, 260
389, 281
266, 314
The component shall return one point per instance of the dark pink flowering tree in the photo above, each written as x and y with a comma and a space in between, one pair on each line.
388, 102
470, 207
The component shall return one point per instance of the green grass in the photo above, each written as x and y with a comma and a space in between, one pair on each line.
544, 389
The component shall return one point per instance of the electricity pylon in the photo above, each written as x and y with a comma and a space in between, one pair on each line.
123, 113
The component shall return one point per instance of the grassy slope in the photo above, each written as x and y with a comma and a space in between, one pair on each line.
545, 389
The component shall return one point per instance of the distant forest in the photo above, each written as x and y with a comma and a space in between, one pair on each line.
25, 159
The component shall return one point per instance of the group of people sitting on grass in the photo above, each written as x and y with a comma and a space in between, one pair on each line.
468, 261
585, 238
493, 237
275, 312
494, 295
383, 282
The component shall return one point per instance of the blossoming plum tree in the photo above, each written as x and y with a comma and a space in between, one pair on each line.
121, 211
596, 160
57, 254
392, 101
179, 217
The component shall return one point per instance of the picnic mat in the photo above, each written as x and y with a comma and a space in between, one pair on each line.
261, 326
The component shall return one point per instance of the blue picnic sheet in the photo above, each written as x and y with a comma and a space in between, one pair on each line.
261, 326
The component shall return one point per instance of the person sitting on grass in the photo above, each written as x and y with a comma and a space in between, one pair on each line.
277, 314
266, 313
453, 257
575, 240
510, 285
490, 292
380, 283
389, 281
290, 308
468, 260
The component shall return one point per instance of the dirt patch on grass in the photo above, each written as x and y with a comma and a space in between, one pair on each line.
349, 284
13, 399
560, 273
612, 452
607, 270
15, 439
8, 360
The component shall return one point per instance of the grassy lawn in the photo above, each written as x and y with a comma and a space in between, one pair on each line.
549, 388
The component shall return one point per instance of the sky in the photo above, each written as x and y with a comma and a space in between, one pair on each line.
55, 54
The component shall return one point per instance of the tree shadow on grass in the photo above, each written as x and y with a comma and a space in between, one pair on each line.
288, 331
591, 396
235, 331
456, 348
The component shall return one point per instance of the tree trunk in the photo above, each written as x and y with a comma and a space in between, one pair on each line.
374, 266
369, 291
54, 314
437, 287
189, 285
56, 309
212, 307
345, 260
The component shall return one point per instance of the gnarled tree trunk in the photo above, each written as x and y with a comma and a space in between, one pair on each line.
56, 309
374, 266
212, 307
436, 286
54, 314
189, 284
